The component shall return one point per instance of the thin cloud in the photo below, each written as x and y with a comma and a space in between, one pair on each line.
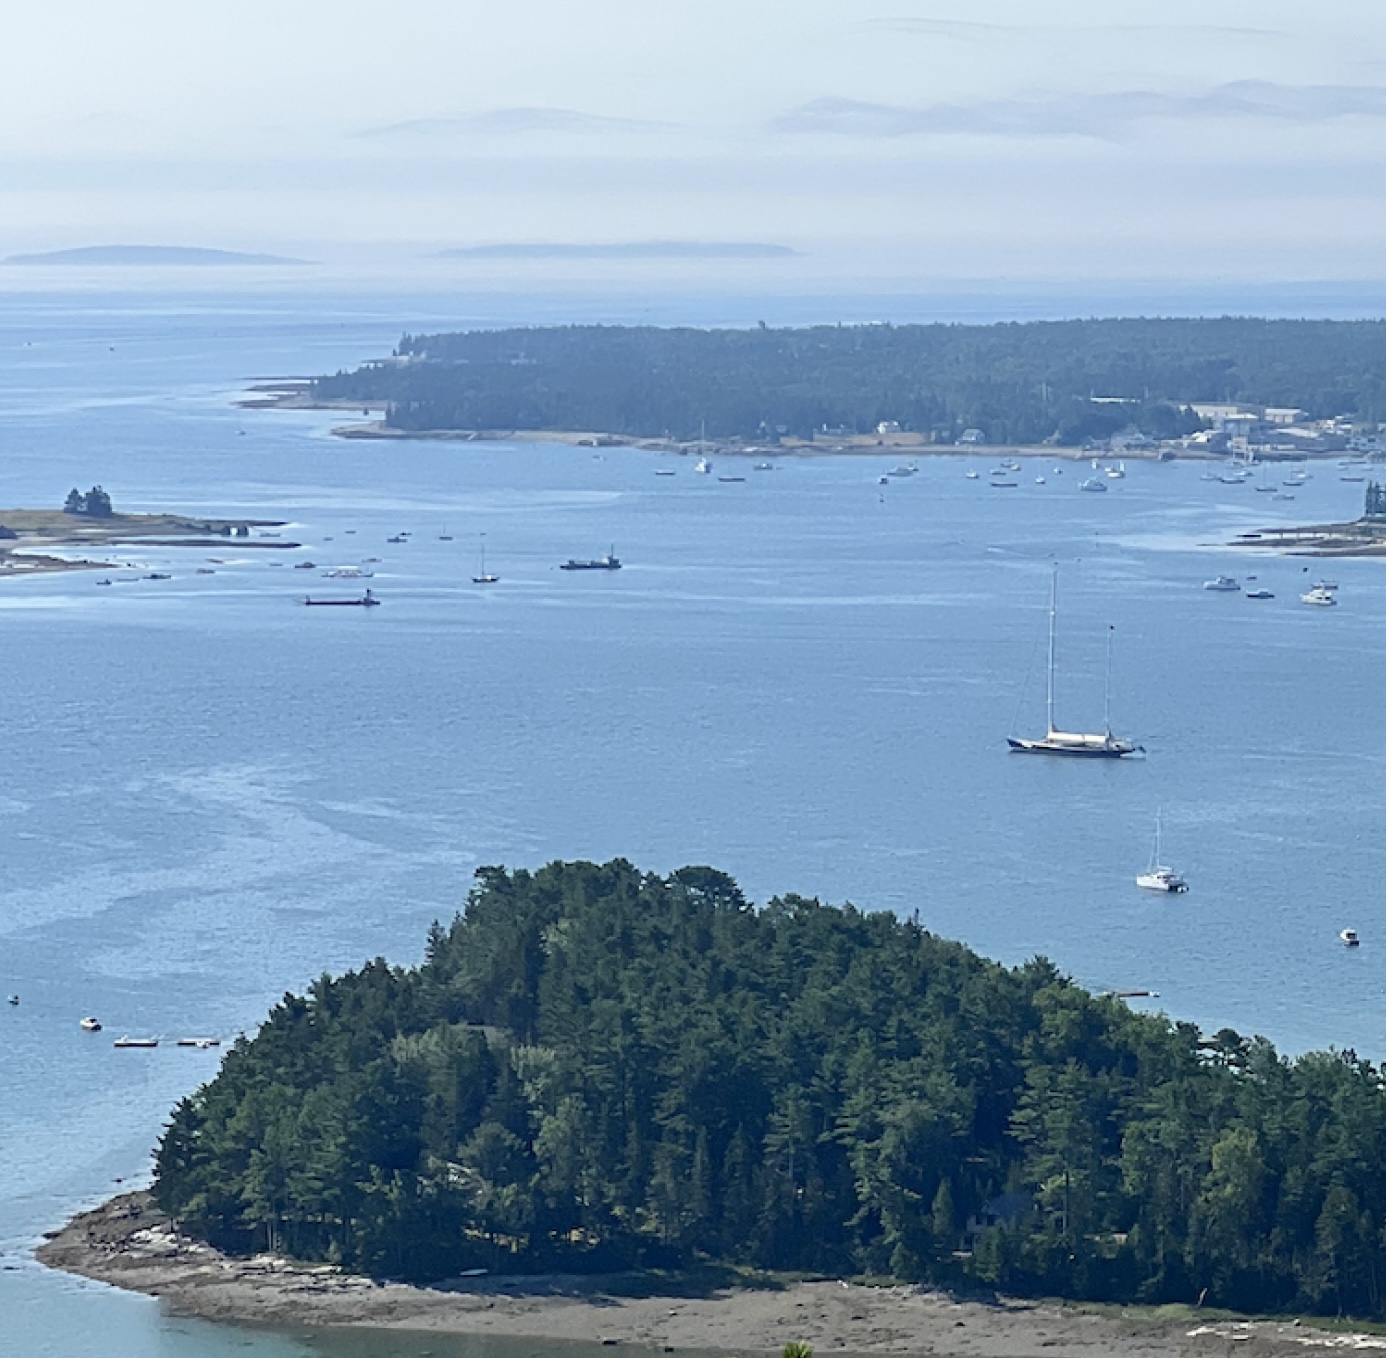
1086, 115
973, 31
512, 122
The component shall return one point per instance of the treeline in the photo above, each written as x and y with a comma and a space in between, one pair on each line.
1018, 383
597, 1068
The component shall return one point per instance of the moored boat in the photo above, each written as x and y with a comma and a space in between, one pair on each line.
367, 600
609, 562
1100, 745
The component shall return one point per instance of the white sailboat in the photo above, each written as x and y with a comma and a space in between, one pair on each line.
483, 576
1054, 741
1158, 877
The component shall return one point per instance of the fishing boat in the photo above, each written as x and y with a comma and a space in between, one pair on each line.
367, 600
1157, 876
483, 576
1348, 938
1319, 597
1103, 745
609, 562
1223, 584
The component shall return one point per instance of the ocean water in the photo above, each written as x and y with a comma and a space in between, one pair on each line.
210, 794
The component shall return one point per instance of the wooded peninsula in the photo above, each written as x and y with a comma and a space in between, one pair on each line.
1063, 382
597, 1068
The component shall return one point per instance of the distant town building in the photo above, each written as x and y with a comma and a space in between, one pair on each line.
888, 427
973, 437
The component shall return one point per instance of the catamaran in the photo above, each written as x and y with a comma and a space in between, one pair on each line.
1054, 741
1158, 877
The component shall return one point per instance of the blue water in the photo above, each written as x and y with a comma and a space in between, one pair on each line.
210, 795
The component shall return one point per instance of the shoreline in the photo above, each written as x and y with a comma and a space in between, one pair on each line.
40, 532
128, 1243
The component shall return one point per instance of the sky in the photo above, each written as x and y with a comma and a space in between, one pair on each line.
1022, 139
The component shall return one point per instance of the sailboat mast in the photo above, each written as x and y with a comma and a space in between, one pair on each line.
1053, 610
1107, 686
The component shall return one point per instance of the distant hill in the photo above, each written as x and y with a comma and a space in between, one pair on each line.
644, 249
132, 255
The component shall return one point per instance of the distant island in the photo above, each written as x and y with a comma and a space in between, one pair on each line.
126, 256
649, 249
598, 1069
1201, 387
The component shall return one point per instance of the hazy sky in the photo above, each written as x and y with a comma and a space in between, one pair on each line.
1026, 138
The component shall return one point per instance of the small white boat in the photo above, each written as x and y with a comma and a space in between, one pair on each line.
971, 476
1319, 597
1348, 938
136, 1042
1158, 877
1117, 472
89, 1024
1092, 483
1223, 584
1039, 480
1328, 585
665, 471
703, 466
201, 1043
348, 573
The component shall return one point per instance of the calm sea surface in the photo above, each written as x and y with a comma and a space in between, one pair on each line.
210, 795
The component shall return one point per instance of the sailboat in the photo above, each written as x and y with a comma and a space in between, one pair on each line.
1158, 877
1102, 746
483, 577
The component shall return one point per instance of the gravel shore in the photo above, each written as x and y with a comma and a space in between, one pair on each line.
129, 1243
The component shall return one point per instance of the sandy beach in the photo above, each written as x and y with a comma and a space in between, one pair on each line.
129, 1243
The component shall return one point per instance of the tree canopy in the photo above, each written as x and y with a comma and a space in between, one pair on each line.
1017, 382
596, 1067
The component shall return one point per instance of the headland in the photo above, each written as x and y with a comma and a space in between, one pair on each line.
30, 538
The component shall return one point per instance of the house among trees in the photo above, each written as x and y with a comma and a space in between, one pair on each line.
95, 504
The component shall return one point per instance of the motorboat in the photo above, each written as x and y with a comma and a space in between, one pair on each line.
764, 467
1005, 485
1092, 483
609, 562
201, 1043
1319, 597
1102, 745
136, 1042
883, 480
971, 476
1157, 876
348, 573
1223, 584
1039, 480
1348, 938
89, 1024
1259, 594
703, 466
305, 565
665, 471
1116, 473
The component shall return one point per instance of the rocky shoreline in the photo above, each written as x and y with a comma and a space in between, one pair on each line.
129, 1243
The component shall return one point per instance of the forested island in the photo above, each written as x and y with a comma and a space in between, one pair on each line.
1058, 381
597, 1068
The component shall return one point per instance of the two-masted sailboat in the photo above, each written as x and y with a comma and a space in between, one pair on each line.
1104, 745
